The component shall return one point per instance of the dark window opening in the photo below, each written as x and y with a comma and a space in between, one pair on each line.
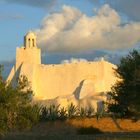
29, 42
33, 42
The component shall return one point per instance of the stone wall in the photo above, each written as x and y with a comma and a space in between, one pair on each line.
51, 81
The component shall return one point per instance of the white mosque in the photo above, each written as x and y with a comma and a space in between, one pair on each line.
82, 83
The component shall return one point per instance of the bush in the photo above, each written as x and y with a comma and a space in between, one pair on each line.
49, 113
125, 94
82, 112
62, 113
54, 112
16, 111
72, 110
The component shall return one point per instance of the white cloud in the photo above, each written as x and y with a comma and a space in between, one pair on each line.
129, 8
73, 60
70, 30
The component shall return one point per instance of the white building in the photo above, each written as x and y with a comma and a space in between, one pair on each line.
83, 83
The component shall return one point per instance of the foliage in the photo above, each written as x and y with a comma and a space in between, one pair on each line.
88, 131
62, 113
72, 110
44, 113
100, 111
53, 112
125, 94
16, 111
82, 112
90, 112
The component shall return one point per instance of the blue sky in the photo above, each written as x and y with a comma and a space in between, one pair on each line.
19, 16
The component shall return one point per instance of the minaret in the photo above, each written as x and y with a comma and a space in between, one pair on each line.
28, 57
30, 40
28, 53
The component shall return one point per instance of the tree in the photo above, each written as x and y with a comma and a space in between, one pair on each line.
16, 110
125, 94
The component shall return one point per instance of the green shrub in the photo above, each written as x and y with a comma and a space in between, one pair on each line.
44, 113
49, 113
125, 94
53, 112
62, 113
16, 111
90, 112
82, 112
100, 111
72, 110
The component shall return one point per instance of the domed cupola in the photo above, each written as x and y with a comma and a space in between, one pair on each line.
30, 40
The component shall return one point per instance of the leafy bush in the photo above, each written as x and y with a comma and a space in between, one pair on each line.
62, 113
49, 113
54, 112
90, 111
44, 113
100, 111
82, 112
16, 111
72, 110
86, 112
125, 94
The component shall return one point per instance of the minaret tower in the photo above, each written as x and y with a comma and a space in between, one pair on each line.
29, 53
30, 40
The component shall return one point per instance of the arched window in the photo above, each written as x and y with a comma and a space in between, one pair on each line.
33, 42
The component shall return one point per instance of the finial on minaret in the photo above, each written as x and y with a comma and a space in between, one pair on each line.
30, 40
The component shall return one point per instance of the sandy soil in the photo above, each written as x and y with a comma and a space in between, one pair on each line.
107, 124
121, 129
104, 124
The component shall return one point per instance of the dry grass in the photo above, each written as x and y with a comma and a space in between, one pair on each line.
106, 124
70, 126
68, 130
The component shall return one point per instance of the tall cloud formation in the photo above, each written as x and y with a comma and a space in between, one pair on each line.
130, 8
70, 30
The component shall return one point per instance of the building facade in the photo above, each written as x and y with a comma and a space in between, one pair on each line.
83, 83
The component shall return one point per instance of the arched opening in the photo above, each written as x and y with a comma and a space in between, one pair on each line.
33, 42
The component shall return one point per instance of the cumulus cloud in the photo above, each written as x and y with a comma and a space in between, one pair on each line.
73, 60
34, 3
70, 30
130, 8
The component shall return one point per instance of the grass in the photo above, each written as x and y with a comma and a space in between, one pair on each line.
80, 129
106, 124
